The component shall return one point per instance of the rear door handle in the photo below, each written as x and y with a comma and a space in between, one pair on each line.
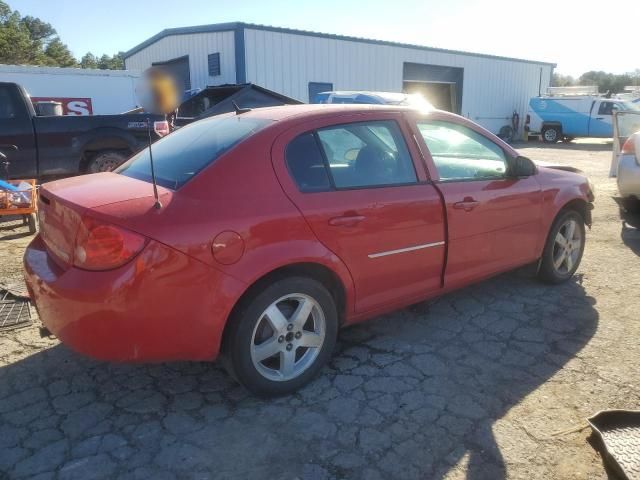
346, 221
467, 204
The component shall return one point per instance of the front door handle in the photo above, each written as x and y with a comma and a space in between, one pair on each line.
346, 220
467, 204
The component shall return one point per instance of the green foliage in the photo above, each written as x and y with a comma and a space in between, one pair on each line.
30, 41
606, 82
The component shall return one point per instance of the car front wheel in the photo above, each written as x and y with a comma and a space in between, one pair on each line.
281, 337
564, 248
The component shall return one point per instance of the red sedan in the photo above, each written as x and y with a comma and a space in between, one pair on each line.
280, 225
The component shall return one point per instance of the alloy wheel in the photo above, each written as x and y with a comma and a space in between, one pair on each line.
567, 247
288, 337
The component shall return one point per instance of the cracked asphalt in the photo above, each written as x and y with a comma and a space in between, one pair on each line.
491, 382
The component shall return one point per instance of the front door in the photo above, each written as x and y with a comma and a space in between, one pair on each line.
369, 202
16, 130
601, 124
493, 220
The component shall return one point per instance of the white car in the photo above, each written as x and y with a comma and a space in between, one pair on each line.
629, 172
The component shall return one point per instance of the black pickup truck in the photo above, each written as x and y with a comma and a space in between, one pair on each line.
56, 145
40, 147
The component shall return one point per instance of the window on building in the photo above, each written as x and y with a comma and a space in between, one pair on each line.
214, 64
461, 153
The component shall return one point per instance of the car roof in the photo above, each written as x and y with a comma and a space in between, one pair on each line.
313, 111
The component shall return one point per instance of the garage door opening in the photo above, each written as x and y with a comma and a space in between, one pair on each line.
442, 95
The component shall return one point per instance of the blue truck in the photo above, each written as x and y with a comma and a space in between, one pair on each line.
564, 117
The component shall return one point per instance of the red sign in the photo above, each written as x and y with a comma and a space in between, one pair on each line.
70, 106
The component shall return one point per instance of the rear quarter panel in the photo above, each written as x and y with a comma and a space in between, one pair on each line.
237, 193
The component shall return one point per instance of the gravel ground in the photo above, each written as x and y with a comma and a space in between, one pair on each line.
478, 384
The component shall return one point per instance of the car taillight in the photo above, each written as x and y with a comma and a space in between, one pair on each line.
629, 147
161, 128
102, 246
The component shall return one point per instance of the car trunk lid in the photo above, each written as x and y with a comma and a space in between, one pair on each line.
62, 204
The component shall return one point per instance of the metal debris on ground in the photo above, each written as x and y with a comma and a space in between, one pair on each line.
15, 312
619, 432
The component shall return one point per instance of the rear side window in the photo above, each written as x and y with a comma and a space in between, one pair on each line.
354, 155
306, 165
7, 105
180, 156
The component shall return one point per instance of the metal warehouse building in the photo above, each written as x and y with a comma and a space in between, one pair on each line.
299, 64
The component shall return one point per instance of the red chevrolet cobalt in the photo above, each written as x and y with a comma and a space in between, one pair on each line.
278, 226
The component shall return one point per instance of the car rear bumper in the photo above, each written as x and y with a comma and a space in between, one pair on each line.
163, 305
628, 176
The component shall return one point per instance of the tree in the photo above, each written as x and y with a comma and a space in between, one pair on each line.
89, 60
30, 41
57, 54
560, 80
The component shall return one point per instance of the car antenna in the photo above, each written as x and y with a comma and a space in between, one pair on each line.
157, 205
239, 111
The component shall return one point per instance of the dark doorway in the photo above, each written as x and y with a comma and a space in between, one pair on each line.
318, 87
439, 84
179, 67
441, 95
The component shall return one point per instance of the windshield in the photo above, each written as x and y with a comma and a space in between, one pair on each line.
631, 106
180, 156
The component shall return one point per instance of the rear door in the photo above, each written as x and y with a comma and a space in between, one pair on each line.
357, 184
16, 130
493, 220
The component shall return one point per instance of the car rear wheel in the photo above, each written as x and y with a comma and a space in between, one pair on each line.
282, 336
564, 248
550, 134
106, 161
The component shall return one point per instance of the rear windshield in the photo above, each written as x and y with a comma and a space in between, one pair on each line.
180, 156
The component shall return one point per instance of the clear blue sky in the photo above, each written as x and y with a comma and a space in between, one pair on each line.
571, 33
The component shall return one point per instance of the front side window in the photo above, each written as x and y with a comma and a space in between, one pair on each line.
367, 154
460, 153
180, 156
606, 108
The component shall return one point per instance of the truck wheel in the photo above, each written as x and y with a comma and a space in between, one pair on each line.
551, 134
106, 161
31, 221
281, 337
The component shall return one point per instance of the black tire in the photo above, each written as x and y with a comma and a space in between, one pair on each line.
32, 222
551, 134
548, 272
631, 204
239, 341
106, 161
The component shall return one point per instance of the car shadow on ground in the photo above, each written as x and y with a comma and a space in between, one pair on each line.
407, 395
630, 231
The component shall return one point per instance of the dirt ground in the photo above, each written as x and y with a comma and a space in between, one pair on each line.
489, 382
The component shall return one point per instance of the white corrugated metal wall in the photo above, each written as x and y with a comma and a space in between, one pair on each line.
492, 88
197, 46
110, 91
287, 61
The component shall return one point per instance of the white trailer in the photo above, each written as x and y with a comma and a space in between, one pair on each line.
81, 91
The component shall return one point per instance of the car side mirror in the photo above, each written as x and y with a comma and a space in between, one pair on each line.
523, 167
